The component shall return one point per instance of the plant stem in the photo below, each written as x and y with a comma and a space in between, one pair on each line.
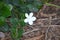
48, 4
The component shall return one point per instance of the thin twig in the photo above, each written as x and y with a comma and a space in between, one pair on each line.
30, 31
35, 38
57, 22
46, 35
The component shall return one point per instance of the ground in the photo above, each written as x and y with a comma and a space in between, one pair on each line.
46, 27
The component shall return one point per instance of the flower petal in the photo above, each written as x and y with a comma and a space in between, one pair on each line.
26, 14
25, 20
30, 22
33, 18
31, 14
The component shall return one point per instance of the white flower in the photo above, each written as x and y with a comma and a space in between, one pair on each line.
29, 18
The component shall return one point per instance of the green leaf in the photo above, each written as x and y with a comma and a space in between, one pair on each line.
21, 2
14, 21
13, 32
2, 21
20, 32
38, 4
1, 4
4, 10
22, 16
22, 23
10, 7
50, 0
23, 9
29, 1
16, 33
44, 1
32, 8
4, 28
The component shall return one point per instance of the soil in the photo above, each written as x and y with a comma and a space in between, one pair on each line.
47, 25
